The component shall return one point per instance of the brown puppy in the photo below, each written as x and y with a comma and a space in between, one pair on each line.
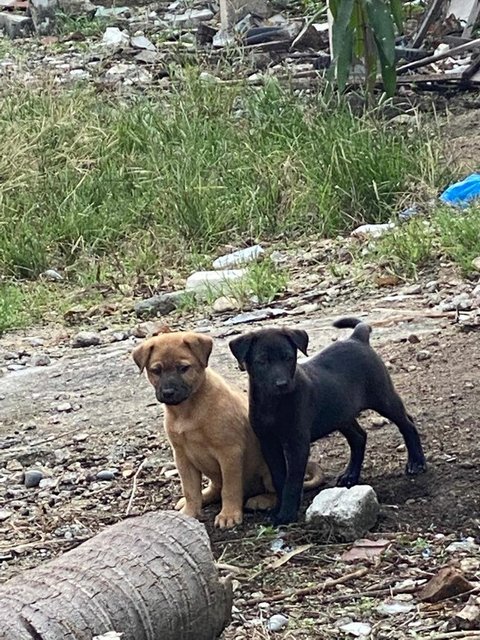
206, 421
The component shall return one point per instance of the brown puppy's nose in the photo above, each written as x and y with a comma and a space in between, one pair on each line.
168, 392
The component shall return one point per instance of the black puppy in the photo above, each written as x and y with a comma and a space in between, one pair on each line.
293, 405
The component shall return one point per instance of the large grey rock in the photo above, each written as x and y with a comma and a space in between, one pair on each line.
345, 514
14, 25
86, 339
160, 305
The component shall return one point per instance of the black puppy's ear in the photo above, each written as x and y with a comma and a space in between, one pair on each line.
141, 354
298, 338
240, 347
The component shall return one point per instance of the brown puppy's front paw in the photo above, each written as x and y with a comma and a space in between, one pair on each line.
188, 510
180, 504
228, 519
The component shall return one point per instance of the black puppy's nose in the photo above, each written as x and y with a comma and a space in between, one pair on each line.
281, 384
168, 392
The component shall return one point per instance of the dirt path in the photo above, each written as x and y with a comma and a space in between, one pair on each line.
89, 410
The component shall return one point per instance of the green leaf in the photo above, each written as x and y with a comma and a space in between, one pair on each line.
396, 9
389, 75
381, 21
341, 27
344, 60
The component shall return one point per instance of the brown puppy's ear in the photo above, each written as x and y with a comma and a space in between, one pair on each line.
201, 346
142, 353
240, 347
298, 338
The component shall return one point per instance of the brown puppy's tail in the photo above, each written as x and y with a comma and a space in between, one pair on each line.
314, 476
361, 332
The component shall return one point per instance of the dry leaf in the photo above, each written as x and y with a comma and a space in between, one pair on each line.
288, 556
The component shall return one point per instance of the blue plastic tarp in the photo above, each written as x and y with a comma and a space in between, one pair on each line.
461, 194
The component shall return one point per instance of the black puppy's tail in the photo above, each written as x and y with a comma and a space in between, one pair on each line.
361, 332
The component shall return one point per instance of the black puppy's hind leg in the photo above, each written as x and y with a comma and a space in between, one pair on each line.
393, 409
356, 438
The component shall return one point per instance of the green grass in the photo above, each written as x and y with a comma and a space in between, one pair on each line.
91, 185
446, 234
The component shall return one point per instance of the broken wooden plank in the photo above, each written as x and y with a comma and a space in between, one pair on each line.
432, 13
472, 20
473, 45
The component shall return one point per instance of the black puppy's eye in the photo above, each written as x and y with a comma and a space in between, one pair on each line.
183, 368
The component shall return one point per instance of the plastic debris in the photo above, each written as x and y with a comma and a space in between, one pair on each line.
461, 194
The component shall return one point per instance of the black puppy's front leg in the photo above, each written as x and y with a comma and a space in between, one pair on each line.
296, 455
356, 438
274, 457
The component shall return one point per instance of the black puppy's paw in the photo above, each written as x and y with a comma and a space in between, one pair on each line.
347, 479
283, 518
415, 467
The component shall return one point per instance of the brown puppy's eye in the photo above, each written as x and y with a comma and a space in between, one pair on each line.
157, 370
183, 368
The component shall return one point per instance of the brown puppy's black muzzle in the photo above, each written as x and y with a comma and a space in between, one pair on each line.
172, 391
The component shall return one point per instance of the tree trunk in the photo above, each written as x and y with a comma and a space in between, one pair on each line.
148, 578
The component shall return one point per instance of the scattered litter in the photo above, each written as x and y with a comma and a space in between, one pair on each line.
255, 316
393, 608
357, 629
113, 37
205, 281
239, 257
373, 230
463, 193
468, 545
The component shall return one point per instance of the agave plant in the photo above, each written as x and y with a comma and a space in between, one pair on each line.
365, 30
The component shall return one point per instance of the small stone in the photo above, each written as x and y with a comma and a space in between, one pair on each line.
40, 360
277, 622
346, 513
86, 339
413, 290
119, 336
36, 342
413, 338
423, 355
447, 583
432, 286
14, 465
105, 475
80, 437
4, 515
476, 263
162, 304
15, 367
379, 421
11, 355
357, 629
32, 478
394, 608
141, 42
64, 407
224, 303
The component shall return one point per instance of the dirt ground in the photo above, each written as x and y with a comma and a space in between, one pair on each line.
89, 410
